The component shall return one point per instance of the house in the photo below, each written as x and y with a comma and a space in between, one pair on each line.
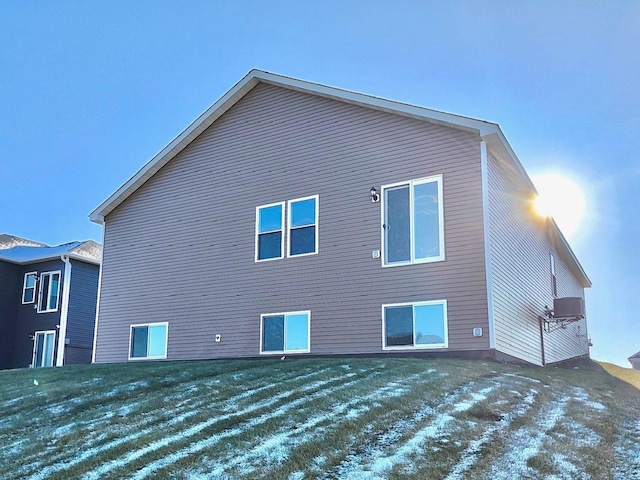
295, 218
48, 298
635, 361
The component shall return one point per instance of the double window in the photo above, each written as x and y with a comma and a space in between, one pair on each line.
415, 325
285, 332
49, 292
301, 233
413, 222
148, 341
29, 287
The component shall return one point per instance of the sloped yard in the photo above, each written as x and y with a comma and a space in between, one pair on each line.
319, 418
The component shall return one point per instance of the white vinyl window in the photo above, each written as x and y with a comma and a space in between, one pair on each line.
554, 280
302, 227
43, 348
413, 222
29, 287
285, 332
49, 292
415, 325
148, 341
270, 232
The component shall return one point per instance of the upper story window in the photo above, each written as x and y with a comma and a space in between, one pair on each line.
29, 287
269, 231
148, 341
415, 325
554, 280
413, 217
302, 229
49, 292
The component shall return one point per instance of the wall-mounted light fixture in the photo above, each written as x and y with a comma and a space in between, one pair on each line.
375, 196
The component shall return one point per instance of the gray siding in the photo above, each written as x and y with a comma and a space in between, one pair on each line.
10, 298
521, 273
83, 295
181, 248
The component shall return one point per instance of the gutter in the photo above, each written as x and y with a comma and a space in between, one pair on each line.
64, 310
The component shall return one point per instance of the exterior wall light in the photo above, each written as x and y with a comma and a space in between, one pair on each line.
375, 196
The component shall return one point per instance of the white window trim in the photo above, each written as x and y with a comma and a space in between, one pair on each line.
166, 340
35, 287
315, 224
51, 274
53, 354
258, 208
416, 347
285, 314
383, 204
554, 277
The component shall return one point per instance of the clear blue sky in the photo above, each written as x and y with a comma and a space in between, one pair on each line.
90, 91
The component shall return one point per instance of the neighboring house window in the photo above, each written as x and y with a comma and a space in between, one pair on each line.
29, 287
554, 280
415, 325
43, 348
302, 229
302, 235
49, 290
148, 341
413, 222
285, 332
269, 232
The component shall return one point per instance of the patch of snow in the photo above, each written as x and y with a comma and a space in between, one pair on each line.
57, 409
62, 431
567, 469
517, 375
627, 452
296, 476
583, 397
476, 397
346, 367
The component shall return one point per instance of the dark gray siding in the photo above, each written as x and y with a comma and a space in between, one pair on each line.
181, 248
521, 273
30, 321
10, 298
83, 295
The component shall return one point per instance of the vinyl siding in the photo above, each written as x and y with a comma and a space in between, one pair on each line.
83, 294
181, 248
521, 273
10, 298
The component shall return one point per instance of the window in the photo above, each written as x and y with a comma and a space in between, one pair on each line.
148, 341
43, 347
29, 287
49, 290
269, 232
285, 332
413, 222
554, 284
415, 325
302, 227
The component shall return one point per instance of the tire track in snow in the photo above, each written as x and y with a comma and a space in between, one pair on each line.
66, 462
212, 440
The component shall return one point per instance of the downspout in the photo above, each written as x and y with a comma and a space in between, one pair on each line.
64, 311
541, 322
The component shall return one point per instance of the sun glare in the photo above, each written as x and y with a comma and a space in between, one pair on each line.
562, 199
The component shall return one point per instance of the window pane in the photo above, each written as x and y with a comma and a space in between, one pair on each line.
157, 340
399, 325
269, 245
44, 290
397, 227
270, 219
429, 324
30, 281
39, 349
53, 296
29, 295
48, 350
297, 332
426, 221
139, 342
273, 334
303, 213
302, 240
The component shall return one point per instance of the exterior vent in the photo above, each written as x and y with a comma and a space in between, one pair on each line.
569, 307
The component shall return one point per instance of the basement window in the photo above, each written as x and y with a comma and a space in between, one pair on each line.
29, 287
49, 292
413, 222
148, 341
285, 332
415, 325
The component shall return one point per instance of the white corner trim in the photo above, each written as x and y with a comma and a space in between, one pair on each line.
64, 310
487, 240
95, 326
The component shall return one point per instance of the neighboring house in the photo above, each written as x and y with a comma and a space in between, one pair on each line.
48, 298
257, 232
635, 361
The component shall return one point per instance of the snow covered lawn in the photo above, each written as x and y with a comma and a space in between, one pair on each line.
318, 418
